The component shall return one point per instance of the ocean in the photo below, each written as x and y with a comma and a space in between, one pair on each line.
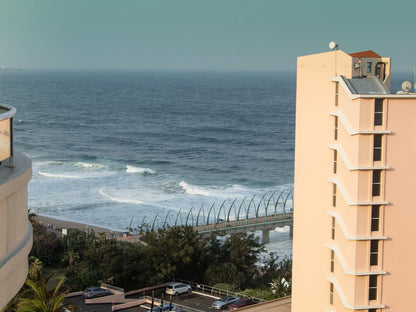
115, 148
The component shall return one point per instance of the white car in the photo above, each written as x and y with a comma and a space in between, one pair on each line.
178, 288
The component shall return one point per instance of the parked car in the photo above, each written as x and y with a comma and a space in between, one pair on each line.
164, 308
224, 302
178, 288
93, 292
242, 302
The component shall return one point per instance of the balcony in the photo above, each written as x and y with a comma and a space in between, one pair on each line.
15, 230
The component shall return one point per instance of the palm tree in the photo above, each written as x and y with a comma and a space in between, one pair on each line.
40, 297
71, 257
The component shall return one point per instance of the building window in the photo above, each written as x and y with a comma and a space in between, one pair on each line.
336, 128
333, 228
336, 93
372, 310
374, 252
375, 218
378, 112
335, 161
334, 195
369, 67
372, 288
377, 147
376, 182
332, 260
331, 293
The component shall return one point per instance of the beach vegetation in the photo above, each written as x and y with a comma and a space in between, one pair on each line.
47, 246
233, 261
176, 251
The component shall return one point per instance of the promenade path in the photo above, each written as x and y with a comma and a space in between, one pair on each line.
261, 223
246, 224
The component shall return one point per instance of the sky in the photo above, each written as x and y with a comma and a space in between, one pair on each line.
199, 34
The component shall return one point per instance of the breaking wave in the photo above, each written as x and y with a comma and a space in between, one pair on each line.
121, 200
60, 176
132, 169
89, 165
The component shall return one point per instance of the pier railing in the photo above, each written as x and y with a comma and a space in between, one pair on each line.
269, 209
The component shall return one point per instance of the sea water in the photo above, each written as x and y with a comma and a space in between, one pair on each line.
114, 148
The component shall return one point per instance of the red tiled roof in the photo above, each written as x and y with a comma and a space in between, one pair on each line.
369, 53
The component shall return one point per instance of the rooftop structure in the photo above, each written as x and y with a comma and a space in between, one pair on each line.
15, 229
354, 163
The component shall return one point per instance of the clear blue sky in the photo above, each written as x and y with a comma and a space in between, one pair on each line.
196, 34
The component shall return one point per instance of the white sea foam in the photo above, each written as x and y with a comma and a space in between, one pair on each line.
121, 200
60, 176
193, 190
238, 188
284, 229
132, 169
89, 165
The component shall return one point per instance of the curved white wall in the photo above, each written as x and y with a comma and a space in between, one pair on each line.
15, 230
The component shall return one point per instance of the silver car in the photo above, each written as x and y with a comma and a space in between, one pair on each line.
165, 308
92, 292
224, 302
178, 288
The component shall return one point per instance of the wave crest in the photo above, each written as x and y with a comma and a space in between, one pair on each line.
121, 200
89, 165
60, 176
132, 169
193, 190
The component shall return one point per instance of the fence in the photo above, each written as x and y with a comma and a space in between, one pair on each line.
214, 291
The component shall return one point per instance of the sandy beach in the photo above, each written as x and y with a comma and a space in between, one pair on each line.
62, 224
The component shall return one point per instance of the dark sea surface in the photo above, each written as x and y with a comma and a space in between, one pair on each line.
109, 147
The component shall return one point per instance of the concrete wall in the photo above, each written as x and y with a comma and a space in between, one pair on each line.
15, 230
316, 112
399, 252
313, 166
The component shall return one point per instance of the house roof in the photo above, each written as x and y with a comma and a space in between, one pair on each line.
369, 53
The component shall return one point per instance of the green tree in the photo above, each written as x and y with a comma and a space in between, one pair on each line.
39, 297
76, 241
236, 253
46, 245
177, 251
70, 257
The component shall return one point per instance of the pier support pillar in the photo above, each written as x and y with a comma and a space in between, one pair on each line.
291, 230
266, 236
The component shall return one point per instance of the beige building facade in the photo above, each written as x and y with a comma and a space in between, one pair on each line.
15, 229
353, 215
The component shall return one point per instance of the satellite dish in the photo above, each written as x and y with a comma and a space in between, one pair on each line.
406, 86
333, 45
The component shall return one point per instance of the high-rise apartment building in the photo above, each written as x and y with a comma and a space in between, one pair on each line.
15, 228
355, 159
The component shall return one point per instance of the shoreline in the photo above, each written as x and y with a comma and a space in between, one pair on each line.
55, 223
